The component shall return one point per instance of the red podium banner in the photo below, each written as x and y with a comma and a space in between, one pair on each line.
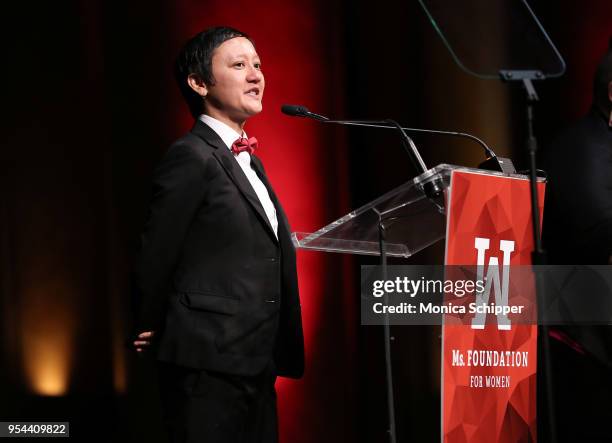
489, 367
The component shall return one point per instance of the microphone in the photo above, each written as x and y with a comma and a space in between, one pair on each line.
433, 189
492, 162
300, 111
415, 156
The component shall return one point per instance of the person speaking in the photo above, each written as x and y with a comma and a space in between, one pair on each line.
216, 276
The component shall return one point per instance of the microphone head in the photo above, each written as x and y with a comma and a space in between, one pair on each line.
295, 110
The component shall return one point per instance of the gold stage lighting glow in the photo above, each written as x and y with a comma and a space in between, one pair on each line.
47, 340
48, 369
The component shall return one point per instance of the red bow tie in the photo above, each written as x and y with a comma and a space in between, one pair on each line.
242, 144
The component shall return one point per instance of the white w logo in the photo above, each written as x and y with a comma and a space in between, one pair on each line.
492, 279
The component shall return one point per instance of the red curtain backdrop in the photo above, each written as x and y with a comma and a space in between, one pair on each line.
581, 31
585, 32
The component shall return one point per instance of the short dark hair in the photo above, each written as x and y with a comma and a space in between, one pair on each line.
603, 77
196, 58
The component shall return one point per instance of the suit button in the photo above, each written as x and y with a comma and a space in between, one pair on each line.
272, 259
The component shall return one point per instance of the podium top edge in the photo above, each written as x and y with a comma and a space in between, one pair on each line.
442, 167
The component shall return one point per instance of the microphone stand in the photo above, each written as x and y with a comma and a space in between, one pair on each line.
387, 333
538, 256
492, 162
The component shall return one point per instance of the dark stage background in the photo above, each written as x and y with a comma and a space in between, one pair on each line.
90, 105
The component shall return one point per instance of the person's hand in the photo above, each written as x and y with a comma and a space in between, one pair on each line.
143, 341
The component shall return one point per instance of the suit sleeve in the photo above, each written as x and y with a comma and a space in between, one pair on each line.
178, 191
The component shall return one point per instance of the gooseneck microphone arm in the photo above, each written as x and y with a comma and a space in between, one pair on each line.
407, 143
409, 146
301, 111
488, 151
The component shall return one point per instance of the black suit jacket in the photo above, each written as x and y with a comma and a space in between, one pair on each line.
213, 280
578, 230
578, 213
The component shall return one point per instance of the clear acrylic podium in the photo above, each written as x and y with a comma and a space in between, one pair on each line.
412, 220
399, 223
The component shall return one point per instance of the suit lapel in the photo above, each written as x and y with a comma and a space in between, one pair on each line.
234, 171
283, 227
